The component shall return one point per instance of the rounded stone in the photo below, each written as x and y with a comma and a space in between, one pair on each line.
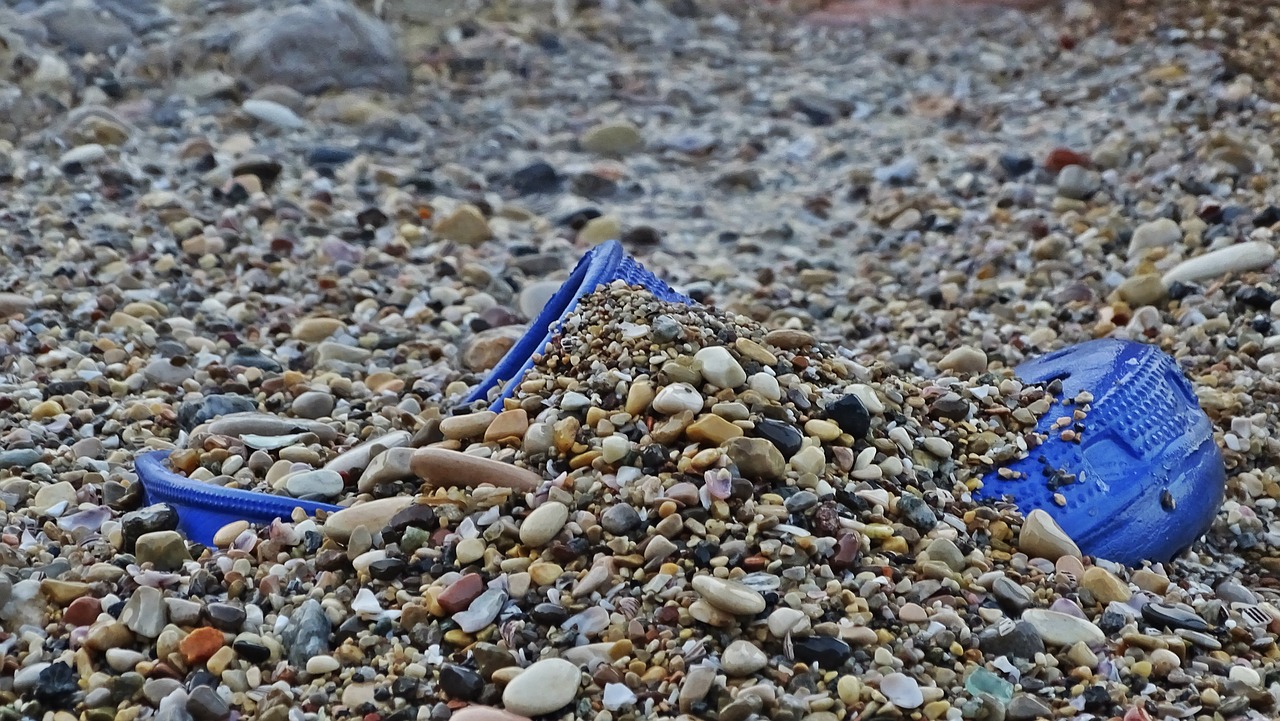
546, 686
543, 523
743, 658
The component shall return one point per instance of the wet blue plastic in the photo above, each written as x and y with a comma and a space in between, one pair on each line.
601, 265
1150, 477
203, 508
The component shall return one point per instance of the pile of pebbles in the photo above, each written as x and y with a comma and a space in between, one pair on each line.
704, 516
224, 244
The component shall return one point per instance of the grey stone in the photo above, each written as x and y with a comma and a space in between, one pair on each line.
1077, 183
327, 45
308, 633
225, 617
1016, 640
801, 501
81, 26
172, 707
481, 612
156, 689
1011, 594
915, 511
1027, 708
313, 404
20, 458
620, 519
204, 704
193, 413
145, 613
944, 550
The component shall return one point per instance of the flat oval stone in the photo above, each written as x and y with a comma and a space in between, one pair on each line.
729, 596
542, 525
373, 515
266, 424
546, 686
360, 456
1060, 629
320, 482
485, 713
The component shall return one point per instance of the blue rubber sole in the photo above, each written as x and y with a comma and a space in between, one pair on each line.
204, 508
1148, 475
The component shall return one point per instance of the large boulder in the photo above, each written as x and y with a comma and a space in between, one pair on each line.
323, 46
82, 26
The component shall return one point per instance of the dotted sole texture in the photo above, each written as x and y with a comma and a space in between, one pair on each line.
1149, 476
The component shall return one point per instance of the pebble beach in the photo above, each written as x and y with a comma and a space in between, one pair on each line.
283, 241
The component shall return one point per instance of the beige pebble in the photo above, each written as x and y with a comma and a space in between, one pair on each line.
1105, 586
372, 515
965, 359
1042, 537
543, 523
466, 225
471, 425
444, 468
729, 596
508, 427
228, 533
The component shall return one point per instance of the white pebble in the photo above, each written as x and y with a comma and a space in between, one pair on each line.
719, 367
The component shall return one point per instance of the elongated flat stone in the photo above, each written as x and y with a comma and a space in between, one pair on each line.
265, 424
443, 469
1239, 258
373, 515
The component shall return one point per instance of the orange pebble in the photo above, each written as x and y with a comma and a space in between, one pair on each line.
201, 644
1060, 158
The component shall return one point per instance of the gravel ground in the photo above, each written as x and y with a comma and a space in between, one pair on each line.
219, 216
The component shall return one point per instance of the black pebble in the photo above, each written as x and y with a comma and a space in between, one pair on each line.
58, 684
852, 417
1016, 164
1267, 217
783, 436
460, 682
549, 614
826, 651
1162, 616
1256, 298
251, 652
539, 177
328, 155
388, 569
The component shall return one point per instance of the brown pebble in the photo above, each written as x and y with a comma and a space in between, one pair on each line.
789, 339
82, 611
459, 595
508, 427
